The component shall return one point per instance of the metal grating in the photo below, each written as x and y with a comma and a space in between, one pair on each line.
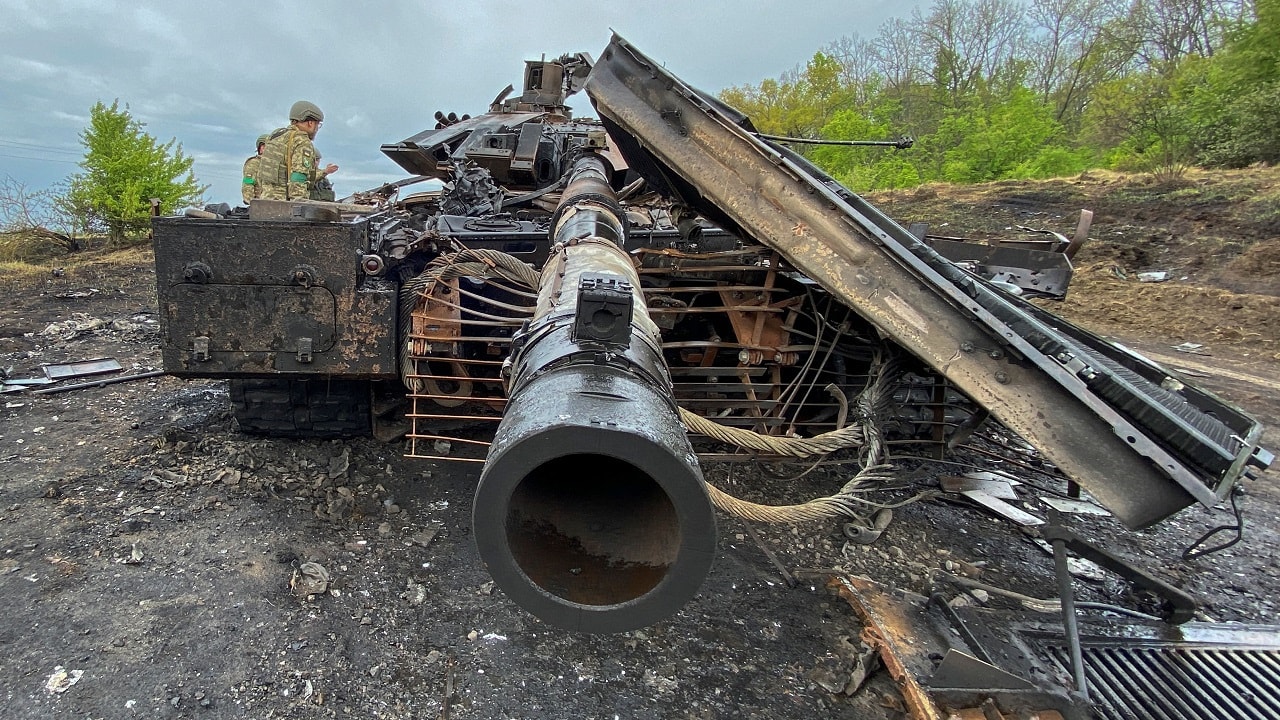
1180, 683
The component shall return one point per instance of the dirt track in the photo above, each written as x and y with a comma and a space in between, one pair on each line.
148, 551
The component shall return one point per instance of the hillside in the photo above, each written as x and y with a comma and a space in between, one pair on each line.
1217, 234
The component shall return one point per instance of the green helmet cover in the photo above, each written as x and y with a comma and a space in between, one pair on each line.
262, 139
303, 110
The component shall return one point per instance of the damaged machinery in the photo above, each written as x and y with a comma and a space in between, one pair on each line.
569, 301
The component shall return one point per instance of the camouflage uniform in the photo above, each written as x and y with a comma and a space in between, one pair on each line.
288, 166
250, 188
322, 188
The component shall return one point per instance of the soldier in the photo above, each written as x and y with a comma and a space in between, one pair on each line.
288, 166
250, 188
322, 189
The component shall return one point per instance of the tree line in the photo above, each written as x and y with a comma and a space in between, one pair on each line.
999, 89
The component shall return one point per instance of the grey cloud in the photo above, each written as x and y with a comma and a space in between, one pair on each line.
216, 75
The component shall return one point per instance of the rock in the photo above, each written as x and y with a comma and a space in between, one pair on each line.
339, 465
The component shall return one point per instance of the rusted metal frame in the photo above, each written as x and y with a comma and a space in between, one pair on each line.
459, 360
464, 398
464, 441
698, 344
467, 378
749, 402
891, 287
738, 315
447, 416
443, 458
716, 387
502, 320
816, 370
763, 310
477, 323
820, 323
468, 338
522, 309
699, 269
668, 252
885, 629
676, 289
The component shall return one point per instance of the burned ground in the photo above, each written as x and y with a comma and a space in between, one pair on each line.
149, 548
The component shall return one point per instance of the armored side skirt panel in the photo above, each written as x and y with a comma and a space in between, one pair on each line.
247, 298
1097, 421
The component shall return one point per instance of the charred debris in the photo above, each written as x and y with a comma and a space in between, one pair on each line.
591, 310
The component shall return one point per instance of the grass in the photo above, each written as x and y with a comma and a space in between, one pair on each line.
24, 260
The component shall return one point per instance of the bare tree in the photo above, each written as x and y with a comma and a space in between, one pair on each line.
900, 55
859, 63
1167, 30
41, 214
970, 42
1072, 50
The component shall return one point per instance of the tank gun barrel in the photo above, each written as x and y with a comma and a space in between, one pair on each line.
591, 512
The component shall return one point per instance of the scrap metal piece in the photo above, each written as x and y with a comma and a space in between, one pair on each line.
1179, 606
1009, 512
1069, 505
908, 637
959, 669
98, 383
82, 368
961, 484
1070, 627
1036, 272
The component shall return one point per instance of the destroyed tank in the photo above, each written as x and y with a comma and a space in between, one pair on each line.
597, 307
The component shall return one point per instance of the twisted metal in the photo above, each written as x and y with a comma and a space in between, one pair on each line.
845, 502
478, 263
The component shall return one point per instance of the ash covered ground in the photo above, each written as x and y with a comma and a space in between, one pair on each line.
151, 557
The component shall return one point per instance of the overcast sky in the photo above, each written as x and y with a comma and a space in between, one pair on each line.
215, 75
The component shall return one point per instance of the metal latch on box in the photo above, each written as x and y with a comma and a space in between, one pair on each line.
200, 349
304, 350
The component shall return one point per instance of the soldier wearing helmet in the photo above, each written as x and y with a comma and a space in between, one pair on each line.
288, 166
250, 188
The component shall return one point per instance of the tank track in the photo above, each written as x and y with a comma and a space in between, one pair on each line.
310, 408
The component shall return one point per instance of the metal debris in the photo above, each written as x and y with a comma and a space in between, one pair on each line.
918, 639
99, 383
866, 530
82, 368
960, 484
1078, 507
992, 495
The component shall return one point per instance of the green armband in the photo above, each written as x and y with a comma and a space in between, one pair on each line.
249, 181
297, 177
